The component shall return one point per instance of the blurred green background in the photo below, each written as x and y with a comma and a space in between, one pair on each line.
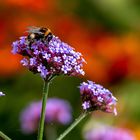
106, 32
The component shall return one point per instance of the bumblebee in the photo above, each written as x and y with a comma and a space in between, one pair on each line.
39, 33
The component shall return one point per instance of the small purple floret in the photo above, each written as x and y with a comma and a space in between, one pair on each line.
24, 62
55, 57
96, 97
2, 94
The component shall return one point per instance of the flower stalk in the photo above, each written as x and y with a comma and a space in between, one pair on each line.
72, 126
42, 117
2, 135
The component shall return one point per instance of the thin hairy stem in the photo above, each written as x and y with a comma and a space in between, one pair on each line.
2, 135
70, 128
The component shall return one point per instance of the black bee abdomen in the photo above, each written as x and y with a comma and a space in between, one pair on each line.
39, 36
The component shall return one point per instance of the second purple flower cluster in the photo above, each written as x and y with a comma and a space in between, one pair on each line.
96, 97
58, 111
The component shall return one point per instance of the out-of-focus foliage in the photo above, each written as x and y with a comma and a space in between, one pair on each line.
106, 32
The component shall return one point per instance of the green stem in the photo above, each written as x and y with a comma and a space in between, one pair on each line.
2, 135
81, 117
43, 110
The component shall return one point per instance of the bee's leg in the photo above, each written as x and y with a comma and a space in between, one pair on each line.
49, 37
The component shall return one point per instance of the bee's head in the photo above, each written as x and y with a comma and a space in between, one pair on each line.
31, 36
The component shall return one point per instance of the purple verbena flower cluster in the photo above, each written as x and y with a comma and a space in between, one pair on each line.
2, 94
57, 111
104, 132
96, 97
49, 59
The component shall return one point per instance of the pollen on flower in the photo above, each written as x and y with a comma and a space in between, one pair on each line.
96, 97
49, 59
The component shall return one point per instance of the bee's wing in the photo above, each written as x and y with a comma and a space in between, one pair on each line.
33, 29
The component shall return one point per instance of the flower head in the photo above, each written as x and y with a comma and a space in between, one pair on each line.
105, 132
52, 58
2, 94
96, 97
57, 111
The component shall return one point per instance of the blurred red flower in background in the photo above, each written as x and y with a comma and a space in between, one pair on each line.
110, 57
9, 64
